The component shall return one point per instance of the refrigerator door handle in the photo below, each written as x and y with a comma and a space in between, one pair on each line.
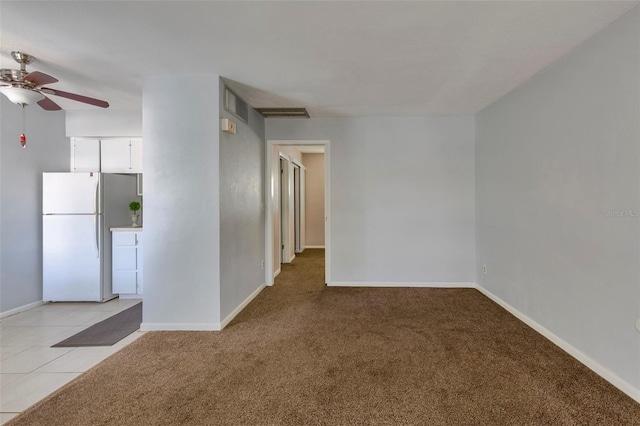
95, 200
96, 236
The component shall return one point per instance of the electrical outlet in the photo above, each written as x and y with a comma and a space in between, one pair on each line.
484, 269
263, 264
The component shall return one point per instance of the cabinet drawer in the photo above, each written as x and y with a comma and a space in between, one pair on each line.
124, 239
125, 258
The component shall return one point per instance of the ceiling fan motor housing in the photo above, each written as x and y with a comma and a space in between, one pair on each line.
15, 76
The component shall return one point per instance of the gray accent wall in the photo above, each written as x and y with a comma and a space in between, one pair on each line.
402, 196
21, 197
242, 217
557, 199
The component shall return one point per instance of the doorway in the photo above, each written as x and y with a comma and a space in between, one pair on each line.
285, 212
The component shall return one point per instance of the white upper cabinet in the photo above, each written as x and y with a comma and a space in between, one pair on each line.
136, 155
121, 155
107, 155
85, 155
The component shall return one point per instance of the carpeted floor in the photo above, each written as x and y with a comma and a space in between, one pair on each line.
304, 354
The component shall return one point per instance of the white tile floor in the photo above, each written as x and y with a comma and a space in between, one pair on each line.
31, 369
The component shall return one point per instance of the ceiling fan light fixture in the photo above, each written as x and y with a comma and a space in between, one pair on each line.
21, 96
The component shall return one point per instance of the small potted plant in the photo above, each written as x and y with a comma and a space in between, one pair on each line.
134, 206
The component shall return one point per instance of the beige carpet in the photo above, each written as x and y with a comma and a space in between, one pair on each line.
304, 354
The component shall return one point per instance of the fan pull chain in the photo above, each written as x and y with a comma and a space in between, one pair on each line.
23, 138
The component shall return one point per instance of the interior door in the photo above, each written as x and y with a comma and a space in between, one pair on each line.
71, 257
283, 164
303, 222
296, 207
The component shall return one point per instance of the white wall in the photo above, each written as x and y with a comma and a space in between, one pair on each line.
554, 160
314, 201
181, 194
242, 219
104, 122
402, 196
21, 197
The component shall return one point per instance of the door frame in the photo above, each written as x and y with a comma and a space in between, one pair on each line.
298, 205
284, 209
269, 195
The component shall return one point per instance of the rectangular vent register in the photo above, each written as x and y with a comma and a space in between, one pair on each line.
236, 105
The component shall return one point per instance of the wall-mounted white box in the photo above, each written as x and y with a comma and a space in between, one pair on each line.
228, 126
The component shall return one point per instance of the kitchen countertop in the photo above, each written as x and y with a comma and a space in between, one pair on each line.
126, 228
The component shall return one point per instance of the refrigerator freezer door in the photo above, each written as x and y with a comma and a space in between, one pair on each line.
71, 193
72, 258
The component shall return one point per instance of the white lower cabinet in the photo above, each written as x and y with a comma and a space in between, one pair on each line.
127, 262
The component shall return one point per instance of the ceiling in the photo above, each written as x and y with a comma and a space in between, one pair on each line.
335, 58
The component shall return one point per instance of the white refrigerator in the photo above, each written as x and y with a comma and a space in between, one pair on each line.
77, 211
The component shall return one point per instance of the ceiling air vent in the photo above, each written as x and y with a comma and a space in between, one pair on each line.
235, 105
283, 112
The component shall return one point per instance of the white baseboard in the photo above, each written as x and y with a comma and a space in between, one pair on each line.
241, 306
179, 326
312, 247
400, 284
277, 272
21, 309
168, 326
603, 372
292, 258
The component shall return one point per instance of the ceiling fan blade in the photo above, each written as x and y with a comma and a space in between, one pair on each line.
75, 97
49, 105
39, 78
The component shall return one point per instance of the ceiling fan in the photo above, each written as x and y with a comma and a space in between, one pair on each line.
24, 88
